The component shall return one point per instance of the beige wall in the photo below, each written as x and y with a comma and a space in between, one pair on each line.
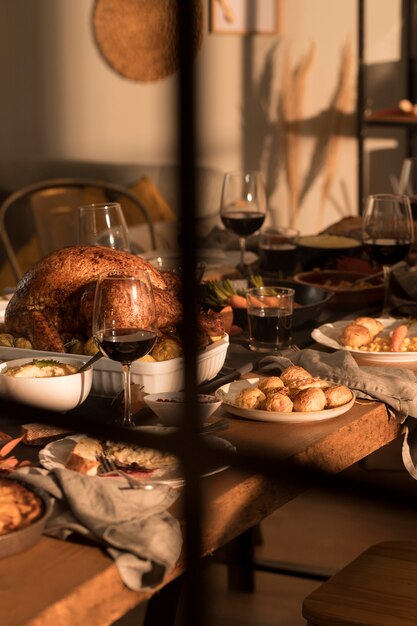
60, 99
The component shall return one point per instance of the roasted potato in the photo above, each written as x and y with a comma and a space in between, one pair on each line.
166, 348
76, 346
22, 342
91, 347
6, 340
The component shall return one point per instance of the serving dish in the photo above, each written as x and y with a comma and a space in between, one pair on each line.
325, 250
54, 393
22, 539
154, 376
55, 454
170, 406
310, 301
329, 335
345, 296
228, 392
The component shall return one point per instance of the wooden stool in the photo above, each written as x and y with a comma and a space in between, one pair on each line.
378, 588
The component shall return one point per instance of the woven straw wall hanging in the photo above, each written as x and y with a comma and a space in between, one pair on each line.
138, 38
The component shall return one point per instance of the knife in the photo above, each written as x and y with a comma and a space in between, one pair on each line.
228, 374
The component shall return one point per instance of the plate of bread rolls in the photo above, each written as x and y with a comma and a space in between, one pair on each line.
377, 340
293, 396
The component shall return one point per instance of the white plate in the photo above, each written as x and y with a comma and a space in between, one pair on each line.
55, 454
329, 335
228, 392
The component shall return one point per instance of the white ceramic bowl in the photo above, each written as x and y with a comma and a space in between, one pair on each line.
170, 407
57, 393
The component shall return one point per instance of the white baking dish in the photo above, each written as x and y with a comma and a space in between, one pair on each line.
156, 377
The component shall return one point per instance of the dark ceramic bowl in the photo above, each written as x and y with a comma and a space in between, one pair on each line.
309, 300
369, 292
325, 251
24, 538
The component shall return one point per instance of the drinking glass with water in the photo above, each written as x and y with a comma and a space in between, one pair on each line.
270, 317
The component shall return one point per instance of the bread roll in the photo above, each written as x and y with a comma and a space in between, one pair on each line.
269, 383
355, 336
277, 400
306, 383
312, 399
337, 396
373, 325
293, 373
250, 398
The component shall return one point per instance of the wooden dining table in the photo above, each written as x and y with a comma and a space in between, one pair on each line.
62, 583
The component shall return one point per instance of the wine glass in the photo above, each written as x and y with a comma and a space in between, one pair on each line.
408, 183
387, 234
124, 324
243, 204
103, 224
278, 251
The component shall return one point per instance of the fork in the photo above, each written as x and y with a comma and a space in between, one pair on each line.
109, 467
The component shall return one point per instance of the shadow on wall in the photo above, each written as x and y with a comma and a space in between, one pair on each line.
275, 145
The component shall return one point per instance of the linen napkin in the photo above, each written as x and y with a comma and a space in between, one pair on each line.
395, 386
133, 524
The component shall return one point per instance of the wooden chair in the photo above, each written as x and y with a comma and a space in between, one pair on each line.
378, 588
46, 210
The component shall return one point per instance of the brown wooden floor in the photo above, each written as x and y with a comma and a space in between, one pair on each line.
320, 529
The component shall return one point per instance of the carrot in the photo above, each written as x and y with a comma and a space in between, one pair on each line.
235, 330
255, 302
397, 337
271, 301
237, 302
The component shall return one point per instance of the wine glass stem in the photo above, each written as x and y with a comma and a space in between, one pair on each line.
127, 417
386, 308
242, 250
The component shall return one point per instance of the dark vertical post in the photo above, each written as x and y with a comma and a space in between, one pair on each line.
194, 609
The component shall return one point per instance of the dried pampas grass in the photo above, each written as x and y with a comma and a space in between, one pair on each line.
292, 107
343, 102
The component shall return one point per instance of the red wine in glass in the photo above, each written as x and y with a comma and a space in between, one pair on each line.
387, 251
242, 223
243, 205
126, 344
278, 250
387, 234
124, 324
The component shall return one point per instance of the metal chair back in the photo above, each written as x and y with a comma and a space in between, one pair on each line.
48, 209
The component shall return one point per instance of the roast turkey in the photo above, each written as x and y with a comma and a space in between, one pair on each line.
56, 294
